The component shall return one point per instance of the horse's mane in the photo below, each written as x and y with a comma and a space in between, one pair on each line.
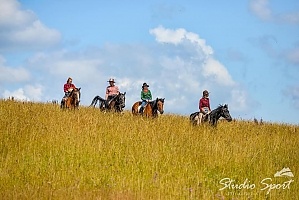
154, 104
220, 106
213, 112
75, 90
72, 92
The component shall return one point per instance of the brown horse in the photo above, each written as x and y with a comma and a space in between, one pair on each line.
151, 109
72, 101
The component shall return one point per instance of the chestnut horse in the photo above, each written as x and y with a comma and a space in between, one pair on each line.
151, 109
72, 102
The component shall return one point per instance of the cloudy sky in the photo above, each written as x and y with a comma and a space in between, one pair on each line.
246, 53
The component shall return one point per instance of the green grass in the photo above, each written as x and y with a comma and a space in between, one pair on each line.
46, 153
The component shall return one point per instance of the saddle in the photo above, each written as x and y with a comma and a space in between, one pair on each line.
205, 117
140, 109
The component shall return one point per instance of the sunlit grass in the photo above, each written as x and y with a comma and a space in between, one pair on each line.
46, 153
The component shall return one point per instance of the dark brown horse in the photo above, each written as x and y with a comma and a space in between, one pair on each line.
213, 116
116, 104
151, 109
73, 100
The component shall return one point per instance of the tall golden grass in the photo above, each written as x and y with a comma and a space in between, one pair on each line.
46, 153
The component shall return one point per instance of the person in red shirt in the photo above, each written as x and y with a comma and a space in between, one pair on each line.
67, 88
204, 105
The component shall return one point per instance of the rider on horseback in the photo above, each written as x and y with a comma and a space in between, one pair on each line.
204, 105
111, 91
67, 88
146, 96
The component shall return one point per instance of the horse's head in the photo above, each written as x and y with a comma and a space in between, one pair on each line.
225, 112
76, 95
122, 99
160, 105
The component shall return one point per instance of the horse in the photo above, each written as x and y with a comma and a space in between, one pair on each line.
101, 101
213, 116
117, 103
151, 109
73, 100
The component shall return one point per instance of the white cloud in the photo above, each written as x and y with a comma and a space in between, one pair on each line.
10, 74
36, 33
194, 70
11, 15
239, 100
21, 30
214, 70
262, 10
34, 92
17, 94
168, 36
178, 36
26, 93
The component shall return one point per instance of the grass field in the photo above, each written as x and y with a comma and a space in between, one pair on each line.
46, 153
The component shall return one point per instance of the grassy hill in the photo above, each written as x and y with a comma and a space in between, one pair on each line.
46, 153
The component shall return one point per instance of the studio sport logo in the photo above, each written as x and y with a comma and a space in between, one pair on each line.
265, 184
284, 172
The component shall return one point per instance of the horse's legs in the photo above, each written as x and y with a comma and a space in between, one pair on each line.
102, 105
112, 106
63, 103
148, 110
67, 103
196, 120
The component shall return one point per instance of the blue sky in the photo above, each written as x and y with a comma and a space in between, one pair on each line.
246, 53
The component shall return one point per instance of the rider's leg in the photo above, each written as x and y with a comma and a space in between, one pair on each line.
63, 100
107, 101
200, 116
142, 106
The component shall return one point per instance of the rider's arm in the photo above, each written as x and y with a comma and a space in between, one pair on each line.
209, 105
200, 106
142, 96
65, 88
150, 95
107, 93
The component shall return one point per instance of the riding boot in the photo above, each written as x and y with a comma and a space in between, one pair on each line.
62, 103
141, 110
106, 104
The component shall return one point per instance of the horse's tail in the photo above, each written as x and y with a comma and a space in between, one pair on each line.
193, 115
95, 100
135, 108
